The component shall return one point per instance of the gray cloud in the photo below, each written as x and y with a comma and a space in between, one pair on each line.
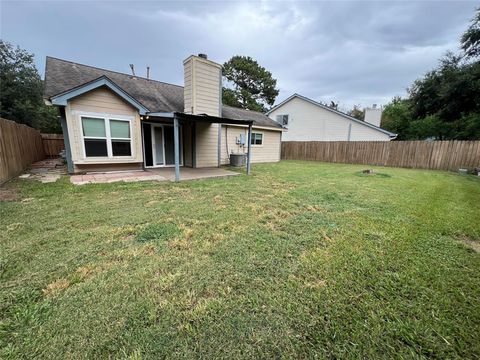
350, 52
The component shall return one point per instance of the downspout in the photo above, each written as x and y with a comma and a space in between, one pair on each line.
176, 147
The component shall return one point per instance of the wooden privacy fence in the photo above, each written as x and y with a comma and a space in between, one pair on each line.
438, 155
20, 146
53, 144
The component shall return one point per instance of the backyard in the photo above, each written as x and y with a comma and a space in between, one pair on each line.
301, 259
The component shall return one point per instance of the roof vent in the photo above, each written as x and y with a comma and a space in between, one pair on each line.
203, 56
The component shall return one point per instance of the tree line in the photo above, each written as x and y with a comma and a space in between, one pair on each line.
445, 103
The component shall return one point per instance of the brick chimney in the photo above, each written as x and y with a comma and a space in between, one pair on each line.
202, 92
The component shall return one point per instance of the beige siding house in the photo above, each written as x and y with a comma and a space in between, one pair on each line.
308, 120
116, 121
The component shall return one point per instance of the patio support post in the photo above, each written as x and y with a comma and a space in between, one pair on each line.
249, 147
176, 144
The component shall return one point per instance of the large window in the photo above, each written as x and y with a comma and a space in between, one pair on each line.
257, 139
105, 137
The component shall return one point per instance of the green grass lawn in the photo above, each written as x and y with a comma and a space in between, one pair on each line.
301, 259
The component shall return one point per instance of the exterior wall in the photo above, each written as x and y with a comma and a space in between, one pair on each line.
203, 86
373, 116
309, 122
363, 133
206, 145
268, 152
100, 102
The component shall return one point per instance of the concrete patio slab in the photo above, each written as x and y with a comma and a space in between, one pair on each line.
127, 176
192, 174
160, 174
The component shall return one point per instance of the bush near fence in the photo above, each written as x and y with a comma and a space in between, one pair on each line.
20, 146
53, 144
435, 155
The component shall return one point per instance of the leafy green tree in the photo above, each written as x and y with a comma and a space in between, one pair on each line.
397, 116
357, 112
251, 85
451, 94
21, 90
471, 38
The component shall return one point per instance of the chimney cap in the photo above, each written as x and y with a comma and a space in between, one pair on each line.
203, 56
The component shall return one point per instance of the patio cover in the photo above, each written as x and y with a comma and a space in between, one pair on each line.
178, 116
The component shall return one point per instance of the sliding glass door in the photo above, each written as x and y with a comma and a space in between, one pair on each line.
159, 145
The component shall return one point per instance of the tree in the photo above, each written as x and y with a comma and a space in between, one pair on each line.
21, 90
357, 112
450, 94
470, 42
397, 117
251, 85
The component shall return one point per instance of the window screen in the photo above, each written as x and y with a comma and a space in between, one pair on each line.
93, 127
120, 137
95, 139
119, 129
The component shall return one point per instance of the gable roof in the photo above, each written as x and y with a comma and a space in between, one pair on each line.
62, 77
364, 123
62, 99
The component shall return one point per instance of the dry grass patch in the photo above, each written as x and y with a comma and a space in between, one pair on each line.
470, 243
53, 289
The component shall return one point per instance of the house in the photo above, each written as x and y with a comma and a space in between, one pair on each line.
308, 120
117, 121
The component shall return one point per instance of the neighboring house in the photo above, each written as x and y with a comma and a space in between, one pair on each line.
308, 120
116, 121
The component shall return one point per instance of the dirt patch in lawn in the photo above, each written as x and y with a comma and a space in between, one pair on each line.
471, 243
9, 193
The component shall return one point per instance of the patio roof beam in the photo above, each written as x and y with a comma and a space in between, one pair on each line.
212, 119
176, 143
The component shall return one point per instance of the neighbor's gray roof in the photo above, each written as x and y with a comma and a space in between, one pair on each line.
157, 96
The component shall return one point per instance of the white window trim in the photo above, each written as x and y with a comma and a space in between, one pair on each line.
106, 120
263, 138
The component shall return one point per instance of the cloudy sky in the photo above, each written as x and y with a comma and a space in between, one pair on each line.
350, 52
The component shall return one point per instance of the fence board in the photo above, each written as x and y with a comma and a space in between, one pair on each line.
436, 155
53, 144
20, 146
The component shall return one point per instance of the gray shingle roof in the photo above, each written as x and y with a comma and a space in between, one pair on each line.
157, 96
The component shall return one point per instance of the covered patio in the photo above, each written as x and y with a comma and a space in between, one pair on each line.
188, 121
